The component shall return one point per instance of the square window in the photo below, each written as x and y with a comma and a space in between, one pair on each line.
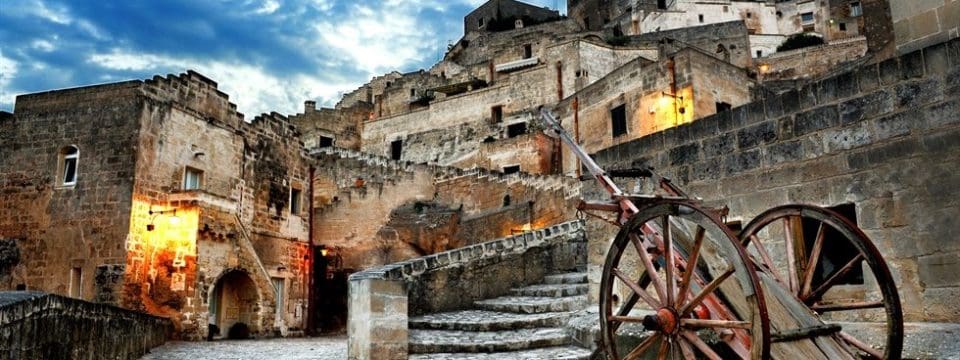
806, 18
856, 9
618, 119
192, 179
326, 141
843, 26
295, 198
511, 169
516, 130
759, 53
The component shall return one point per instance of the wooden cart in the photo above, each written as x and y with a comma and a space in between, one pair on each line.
679, 283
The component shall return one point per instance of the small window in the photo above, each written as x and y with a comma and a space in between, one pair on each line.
295, 197
701, 18
413, 92
69, 157
506, 200
76, 279
806, 18
516, 130
527, 51
496, 114
749, 15
480, 23
326, 141
722, 106
661, 4
618, 119
759, 53
192, 179
779, 14
507, 170
843, 26
856, 9
396, 149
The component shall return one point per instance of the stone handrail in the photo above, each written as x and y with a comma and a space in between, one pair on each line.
381, 299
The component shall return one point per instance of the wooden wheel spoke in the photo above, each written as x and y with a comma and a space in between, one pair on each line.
765, 256
861, 345
723, 324
816, 294
669, 267
687, 351
648, 266
664, 347
813, 260
700, 345
642, 348
822, 308
625, 319
691, 265
707, 290
788, 234
654, 304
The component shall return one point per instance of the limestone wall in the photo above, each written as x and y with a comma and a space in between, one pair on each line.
810, 62
37, 325
66, 235
883, 138
917, 24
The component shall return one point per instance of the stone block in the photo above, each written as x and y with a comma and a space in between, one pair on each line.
889, 71
785, 128
935, 59
719, 145
762, 133
912, 65
846, 85
828, 90
733, 119
943, 114
773, 106
942, 142
816, 119
755, 113
881, 154
919, 92
685, 154
790, 101
807, 95
871, 105
868, 78
939, 270
740, 162
783, 152
896, 125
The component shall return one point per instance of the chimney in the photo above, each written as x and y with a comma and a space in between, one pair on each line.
309, 106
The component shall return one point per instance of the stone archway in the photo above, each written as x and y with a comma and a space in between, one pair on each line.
234, 303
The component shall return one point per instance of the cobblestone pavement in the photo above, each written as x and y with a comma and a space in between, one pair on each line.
325, 348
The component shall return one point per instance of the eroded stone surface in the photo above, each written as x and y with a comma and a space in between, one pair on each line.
329, 348
558, 353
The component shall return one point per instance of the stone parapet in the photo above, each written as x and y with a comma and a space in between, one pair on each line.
381, 299
37, 325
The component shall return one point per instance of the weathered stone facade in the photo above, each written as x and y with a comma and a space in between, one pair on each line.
883, 138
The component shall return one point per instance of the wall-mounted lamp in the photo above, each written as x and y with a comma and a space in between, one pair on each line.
324, 251
174, 219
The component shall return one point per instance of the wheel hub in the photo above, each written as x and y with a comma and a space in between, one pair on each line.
665, 320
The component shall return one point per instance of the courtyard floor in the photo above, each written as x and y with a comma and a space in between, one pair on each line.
322, 348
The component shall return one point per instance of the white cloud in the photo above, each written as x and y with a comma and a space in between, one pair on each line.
251, 87
42, 45
8, 70
268, 7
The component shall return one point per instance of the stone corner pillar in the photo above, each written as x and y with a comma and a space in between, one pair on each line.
377, 319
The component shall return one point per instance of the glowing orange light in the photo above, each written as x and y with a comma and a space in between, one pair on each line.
324, 252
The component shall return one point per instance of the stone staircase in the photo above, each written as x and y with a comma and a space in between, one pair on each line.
528, 324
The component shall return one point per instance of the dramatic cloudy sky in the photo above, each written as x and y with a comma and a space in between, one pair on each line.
269, 55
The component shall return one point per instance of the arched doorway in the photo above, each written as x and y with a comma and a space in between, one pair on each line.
233, 305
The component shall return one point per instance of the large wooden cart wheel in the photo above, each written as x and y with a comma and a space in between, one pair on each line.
695, 295
819, 253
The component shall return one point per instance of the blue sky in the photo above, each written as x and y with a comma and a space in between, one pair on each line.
269, 55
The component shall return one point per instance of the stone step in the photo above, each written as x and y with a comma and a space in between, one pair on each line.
450, 341
552, 290
568, 278
533, 304
479, 320
553, 353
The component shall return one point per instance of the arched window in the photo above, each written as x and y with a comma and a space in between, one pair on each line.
69, 158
